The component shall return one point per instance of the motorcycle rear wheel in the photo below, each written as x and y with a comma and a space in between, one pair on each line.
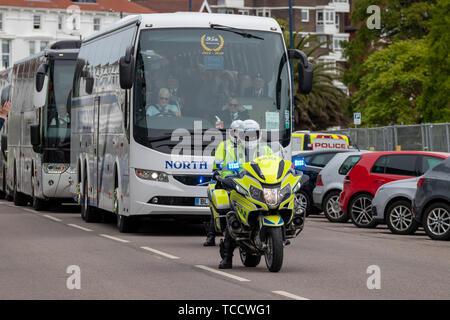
274, 253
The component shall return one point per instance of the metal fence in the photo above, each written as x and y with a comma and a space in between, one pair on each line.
423, 137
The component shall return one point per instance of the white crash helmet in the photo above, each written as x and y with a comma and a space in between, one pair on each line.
250, 134
235, 127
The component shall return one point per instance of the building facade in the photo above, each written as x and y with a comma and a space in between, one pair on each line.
29, 26
328, 19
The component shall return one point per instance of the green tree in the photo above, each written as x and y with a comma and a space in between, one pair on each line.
400, 20
395, 77
324, 106
434, 104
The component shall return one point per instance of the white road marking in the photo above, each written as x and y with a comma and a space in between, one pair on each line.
114, 238
160, 253
221, 273
51, 218
79, 227
289, 295
29, 210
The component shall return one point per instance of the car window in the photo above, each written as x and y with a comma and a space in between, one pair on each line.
429, 162
403, 165
379, 165
320, 160
348, 164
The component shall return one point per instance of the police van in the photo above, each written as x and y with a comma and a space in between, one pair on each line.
307, 141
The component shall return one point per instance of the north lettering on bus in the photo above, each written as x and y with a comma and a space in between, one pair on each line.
190, 165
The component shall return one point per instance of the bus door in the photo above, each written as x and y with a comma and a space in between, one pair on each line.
95, 140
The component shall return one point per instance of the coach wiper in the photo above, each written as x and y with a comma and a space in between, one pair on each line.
234, 30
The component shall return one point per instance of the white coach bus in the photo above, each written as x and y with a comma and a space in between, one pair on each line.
38, 141
153, 85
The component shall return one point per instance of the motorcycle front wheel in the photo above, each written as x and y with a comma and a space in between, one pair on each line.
248, 259
274, 252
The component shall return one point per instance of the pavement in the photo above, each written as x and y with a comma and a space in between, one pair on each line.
166, 260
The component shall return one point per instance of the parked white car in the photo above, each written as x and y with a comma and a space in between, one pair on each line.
330, 183
392, 205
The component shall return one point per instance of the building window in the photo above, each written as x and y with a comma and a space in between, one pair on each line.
6, 53
305, 15
323, 40
319, 19
337, 21
326, 17
1, 21
44, 45
263, 12
337, 44
32, 45
60, 22
243, 12
36, 22
96, 24
329, 17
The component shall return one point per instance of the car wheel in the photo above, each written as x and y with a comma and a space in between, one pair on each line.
399, 218
436, 221
332, 208
302, 201
360, 209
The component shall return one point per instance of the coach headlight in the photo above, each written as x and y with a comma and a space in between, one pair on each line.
152, 175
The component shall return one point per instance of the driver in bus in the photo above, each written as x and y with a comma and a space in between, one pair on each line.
163, 108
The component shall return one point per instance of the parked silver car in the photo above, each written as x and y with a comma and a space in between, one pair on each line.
330, 183
392, 204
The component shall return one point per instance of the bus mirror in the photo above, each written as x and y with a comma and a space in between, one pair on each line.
89, 84
127, 69
35, 135
40, 77
305, 70
4, 143
40, 92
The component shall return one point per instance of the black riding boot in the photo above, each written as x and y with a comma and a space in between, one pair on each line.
211, 235
228, 248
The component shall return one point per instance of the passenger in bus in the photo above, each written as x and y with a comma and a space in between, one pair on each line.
260, 88
175, 92
163, 108
233, 111
245, 86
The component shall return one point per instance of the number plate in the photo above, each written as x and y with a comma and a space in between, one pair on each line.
201, 202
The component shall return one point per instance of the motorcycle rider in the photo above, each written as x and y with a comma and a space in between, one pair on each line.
248, 148
225, 148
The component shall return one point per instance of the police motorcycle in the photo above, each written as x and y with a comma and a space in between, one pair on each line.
260, 211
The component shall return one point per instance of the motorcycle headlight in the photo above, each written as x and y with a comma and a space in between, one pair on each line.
285, 193
271, 196
152, 175
55, 168
256, 193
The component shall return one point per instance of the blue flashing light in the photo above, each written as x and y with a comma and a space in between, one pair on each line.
299, 163
200, 180
233, 166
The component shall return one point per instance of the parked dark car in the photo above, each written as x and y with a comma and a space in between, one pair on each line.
431, 205
314, 161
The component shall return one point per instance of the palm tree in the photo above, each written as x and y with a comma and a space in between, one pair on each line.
324, 106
